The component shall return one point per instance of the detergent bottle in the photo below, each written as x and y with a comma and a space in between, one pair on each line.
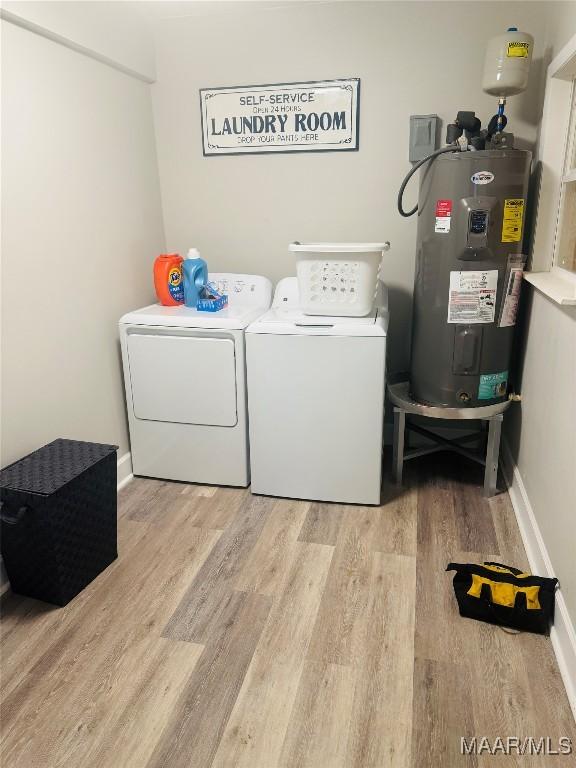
168, 279
195, 274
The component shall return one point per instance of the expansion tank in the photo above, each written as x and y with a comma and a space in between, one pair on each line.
471, 216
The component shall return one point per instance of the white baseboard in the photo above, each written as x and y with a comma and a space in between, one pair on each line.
124, 470
563, 633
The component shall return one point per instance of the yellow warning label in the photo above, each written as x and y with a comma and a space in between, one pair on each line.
518, 50
512, 220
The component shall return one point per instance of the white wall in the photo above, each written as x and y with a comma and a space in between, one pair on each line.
560, 25
413, 57
541, 431
81, 225
118, 31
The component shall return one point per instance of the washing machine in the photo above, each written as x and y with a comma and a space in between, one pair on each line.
185, 382
316, 401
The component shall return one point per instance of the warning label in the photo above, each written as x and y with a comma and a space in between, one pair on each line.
443, 216
518, 50
512, 220
472, 296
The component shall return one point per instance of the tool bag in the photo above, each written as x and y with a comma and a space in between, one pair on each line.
500, 594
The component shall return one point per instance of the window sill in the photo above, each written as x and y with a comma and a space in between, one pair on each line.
560, 289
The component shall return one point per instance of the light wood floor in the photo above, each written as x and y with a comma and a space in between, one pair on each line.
237, 631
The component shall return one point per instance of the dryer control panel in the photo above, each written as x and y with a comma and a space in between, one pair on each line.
234, 286
250, 290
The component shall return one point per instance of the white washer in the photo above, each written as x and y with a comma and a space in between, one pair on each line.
316, 401
185, 380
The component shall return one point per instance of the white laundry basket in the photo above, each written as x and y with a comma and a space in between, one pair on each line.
338, 279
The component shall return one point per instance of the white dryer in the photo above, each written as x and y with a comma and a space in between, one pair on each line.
316, 401
185, 381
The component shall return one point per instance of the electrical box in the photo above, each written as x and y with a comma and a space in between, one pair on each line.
423, 136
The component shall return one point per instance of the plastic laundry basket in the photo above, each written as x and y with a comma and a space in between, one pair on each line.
58, 518
338, 279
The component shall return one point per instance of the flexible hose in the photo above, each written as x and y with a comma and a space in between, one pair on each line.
412, 171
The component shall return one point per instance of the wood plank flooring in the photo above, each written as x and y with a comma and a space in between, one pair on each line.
237, 631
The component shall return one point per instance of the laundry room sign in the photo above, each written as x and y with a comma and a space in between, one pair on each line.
287, 117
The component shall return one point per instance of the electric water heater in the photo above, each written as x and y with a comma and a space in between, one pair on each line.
469, 253
469, 262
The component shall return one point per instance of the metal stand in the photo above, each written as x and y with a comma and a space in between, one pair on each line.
490, 414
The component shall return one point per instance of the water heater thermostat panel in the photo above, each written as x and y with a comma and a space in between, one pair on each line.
479, 221
478, 228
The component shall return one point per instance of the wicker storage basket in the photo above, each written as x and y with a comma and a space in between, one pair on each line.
58, 518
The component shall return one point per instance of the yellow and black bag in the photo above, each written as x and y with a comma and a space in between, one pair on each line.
504, 595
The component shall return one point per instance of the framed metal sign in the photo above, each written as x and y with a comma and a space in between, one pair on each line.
320, 116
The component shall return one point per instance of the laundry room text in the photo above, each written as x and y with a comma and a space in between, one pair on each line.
289, 117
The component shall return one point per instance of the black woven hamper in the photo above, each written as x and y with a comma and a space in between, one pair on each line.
58, 518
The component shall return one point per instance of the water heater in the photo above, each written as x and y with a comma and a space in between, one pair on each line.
469, 255
471, 215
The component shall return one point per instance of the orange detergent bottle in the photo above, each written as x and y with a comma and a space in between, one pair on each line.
168, 279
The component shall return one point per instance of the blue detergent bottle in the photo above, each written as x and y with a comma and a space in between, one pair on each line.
195, 276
